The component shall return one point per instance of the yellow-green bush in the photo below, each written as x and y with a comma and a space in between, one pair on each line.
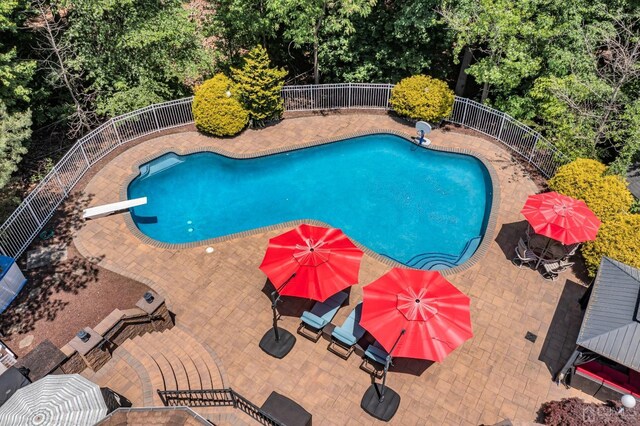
618, 239
421, 97
606, 195
216, 108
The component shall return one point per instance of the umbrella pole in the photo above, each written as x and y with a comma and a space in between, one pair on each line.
544, 251
274, 307
387, 364
277, 342
384, 402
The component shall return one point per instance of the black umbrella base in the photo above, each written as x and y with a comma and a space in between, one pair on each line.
280, 348
384, 410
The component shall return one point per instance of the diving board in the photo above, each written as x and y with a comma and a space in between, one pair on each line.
107, 209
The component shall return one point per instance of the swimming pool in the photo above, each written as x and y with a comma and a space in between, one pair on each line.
424, 208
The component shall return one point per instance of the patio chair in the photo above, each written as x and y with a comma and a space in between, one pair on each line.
312, 322
345, 337
571, 249
553, 269
524, 255
376, 357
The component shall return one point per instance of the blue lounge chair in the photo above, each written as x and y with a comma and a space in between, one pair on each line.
376, 356
320, 315
345, 337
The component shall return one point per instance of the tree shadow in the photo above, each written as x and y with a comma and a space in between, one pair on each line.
564, 328
36, 302
509, 235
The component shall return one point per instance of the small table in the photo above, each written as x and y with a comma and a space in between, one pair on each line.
546, 249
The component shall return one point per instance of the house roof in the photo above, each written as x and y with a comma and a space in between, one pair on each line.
611, 325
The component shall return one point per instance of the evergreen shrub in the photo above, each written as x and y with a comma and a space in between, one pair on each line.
619, 239
421, 97
217, 109
606, 195
260, 87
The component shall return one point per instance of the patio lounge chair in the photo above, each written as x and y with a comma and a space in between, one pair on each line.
312, 322
376, 357
345, 337
553, 269
524, 255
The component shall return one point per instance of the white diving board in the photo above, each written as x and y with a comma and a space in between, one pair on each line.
107, 209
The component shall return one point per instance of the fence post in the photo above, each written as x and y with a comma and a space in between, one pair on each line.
155, 117
115, 130
388, 95
501, 126
464, 113
349, 95
84, 155
312, 101
533, 148
64, 188
28, 204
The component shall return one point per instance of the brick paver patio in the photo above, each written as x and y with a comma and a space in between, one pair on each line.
222, 298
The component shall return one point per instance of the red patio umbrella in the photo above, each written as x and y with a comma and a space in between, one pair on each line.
562, 218
432, 312
323, 260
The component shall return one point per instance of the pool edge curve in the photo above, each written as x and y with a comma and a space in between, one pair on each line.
474, 259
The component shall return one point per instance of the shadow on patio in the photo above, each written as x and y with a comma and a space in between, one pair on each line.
564, 328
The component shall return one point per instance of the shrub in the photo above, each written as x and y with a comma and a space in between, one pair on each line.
260, 86
576, 412
606, 195
216, 108
619, 239
422, 98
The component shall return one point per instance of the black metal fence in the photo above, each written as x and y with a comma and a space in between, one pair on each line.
216, 398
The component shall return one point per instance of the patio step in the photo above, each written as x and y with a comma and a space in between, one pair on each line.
226, 416
171, 360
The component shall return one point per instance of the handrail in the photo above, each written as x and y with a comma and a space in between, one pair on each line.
226, 397
28, 219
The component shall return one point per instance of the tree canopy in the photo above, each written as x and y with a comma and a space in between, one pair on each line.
568, 68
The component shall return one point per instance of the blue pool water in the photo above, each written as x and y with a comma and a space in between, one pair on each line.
412, 204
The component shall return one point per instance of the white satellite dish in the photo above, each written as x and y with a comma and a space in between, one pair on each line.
423, 129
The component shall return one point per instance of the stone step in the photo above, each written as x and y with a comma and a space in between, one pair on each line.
169, 379
163, 346
169, 360
152, 376
204, 358
226, 416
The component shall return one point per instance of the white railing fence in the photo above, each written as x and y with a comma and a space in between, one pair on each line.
24, 224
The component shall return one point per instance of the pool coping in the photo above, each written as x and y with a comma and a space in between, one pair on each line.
474, 259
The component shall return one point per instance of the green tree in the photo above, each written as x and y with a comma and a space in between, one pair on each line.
504, 36
260, 86
397, 39
15, 73
15, 129
238, 24
304, 21
15, 93
133, 53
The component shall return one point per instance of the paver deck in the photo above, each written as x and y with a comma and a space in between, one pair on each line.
222, 297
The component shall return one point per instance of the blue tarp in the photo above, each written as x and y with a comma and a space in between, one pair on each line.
11, 281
